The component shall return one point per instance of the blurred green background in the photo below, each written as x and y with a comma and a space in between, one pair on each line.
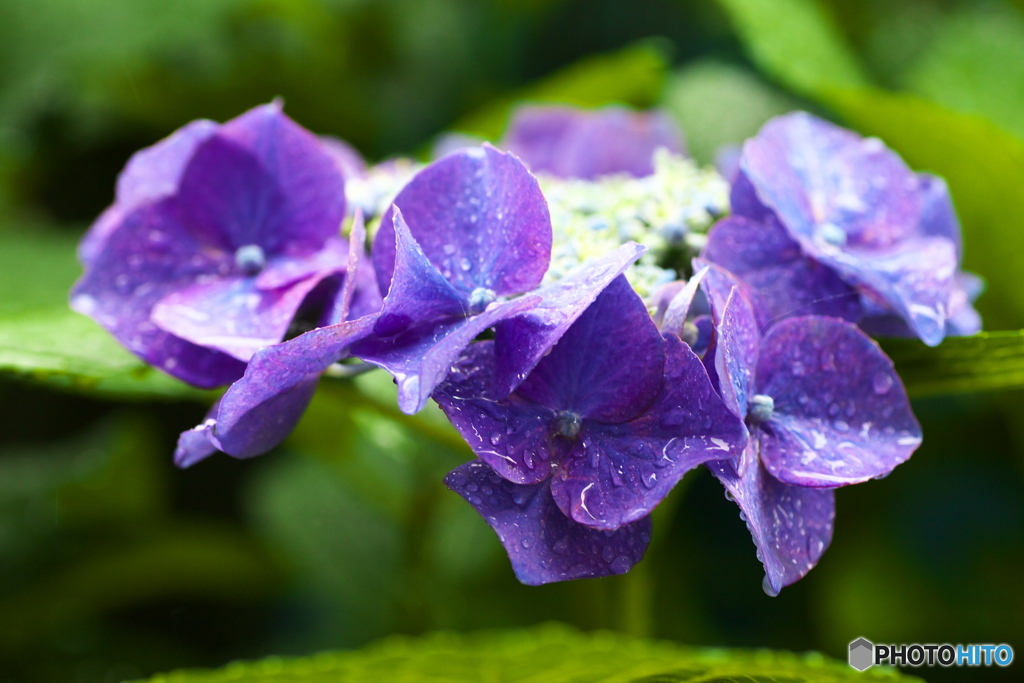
114, 565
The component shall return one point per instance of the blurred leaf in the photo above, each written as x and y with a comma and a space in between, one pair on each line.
549, 654
796, 42
984, 167
66, 350
976, 65
718, 104
182, 561
990, 361
634, 76
37, 267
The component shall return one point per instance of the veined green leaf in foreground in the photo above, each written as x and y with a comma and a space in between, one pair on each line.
989, 361
548, 654
61, 348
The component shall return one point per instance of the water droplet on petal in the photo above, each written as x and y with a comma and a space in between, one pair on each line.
769, 590
882, 383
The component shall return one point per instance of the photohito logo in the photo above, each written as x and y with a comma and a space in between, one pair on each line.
864, 654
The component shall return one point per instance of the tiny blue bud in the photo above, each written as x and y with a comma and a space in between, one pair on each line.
481, 298
832, 234
568, 424
250, 259
760, 409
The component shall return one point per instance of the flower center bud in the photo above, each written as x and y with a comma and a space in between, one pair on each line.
568, 423
250, 259
480, 299
691, 333
832, 234
760, 409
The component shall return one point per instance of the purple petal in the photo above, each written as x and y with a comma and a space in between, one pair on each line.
513, 436
617, 474
717, 285
736, 353
521, 342
791, 525
590, 144
841, 415
744, 201
419, 294
820, 178
790, 283
231, 314
963, 320
542, 543
346, 157
305, 171
679, 307
480, 218
150, 256
151, 174
198, 443
938, 217
261, 409
608, 365
914, 279
360, 286
286, 270
421, 357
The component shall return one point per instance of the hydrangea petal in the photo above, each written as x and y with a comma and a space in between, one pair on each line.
420, 358
231, 314
736, 353
618, 473
587, 373
679, 307
479, 217
513, 436
791, 525
521, 341
789, 283
151, 174
305, 171
938, 217
915, 279
534, 133
819, 178
286, 269
196, 444
841, 415
543, 544
419, 293
151, 256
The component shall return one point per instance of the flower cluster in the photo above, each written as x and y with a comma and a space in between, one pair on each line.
545, 316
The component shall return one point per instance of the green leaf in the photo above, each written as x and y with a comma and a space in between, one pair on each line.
37, 267
990, 361
548, 654
796, 42
634, 75
984, 167
61, 348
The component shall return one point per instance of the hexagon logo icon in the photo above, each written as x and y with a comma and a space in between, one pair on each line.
862, 654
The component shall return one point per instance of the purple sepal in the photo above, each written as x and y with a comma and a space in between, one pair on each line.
420, 358
346, 157
791, 525
419, 293
479, 217
679, 307
258, 411
521, 341
841, 415
618, 473
763, 255
197, 443
544, 545
574, 143
358, 295
938, 217
151, 174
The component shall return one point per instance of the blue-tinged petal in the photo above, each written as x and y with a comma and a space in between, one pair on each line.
914, 279
258, 411
150, 256
479, 217
286, 270
420, 358
790, 283
516, 437
678, 308
419, 294
791, 525
735, 353
521, 342
359, 295
543, 544
231, 314
608, 365
938, 217
197, 443
717, 285
841, 415
828, 186
307, 174
151, 174
617, 474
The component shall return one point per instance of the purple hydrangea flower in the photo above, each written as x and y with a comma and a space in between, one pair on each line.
826, 222
825, 409
605, 425
466, 237
577, 143
217, 236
